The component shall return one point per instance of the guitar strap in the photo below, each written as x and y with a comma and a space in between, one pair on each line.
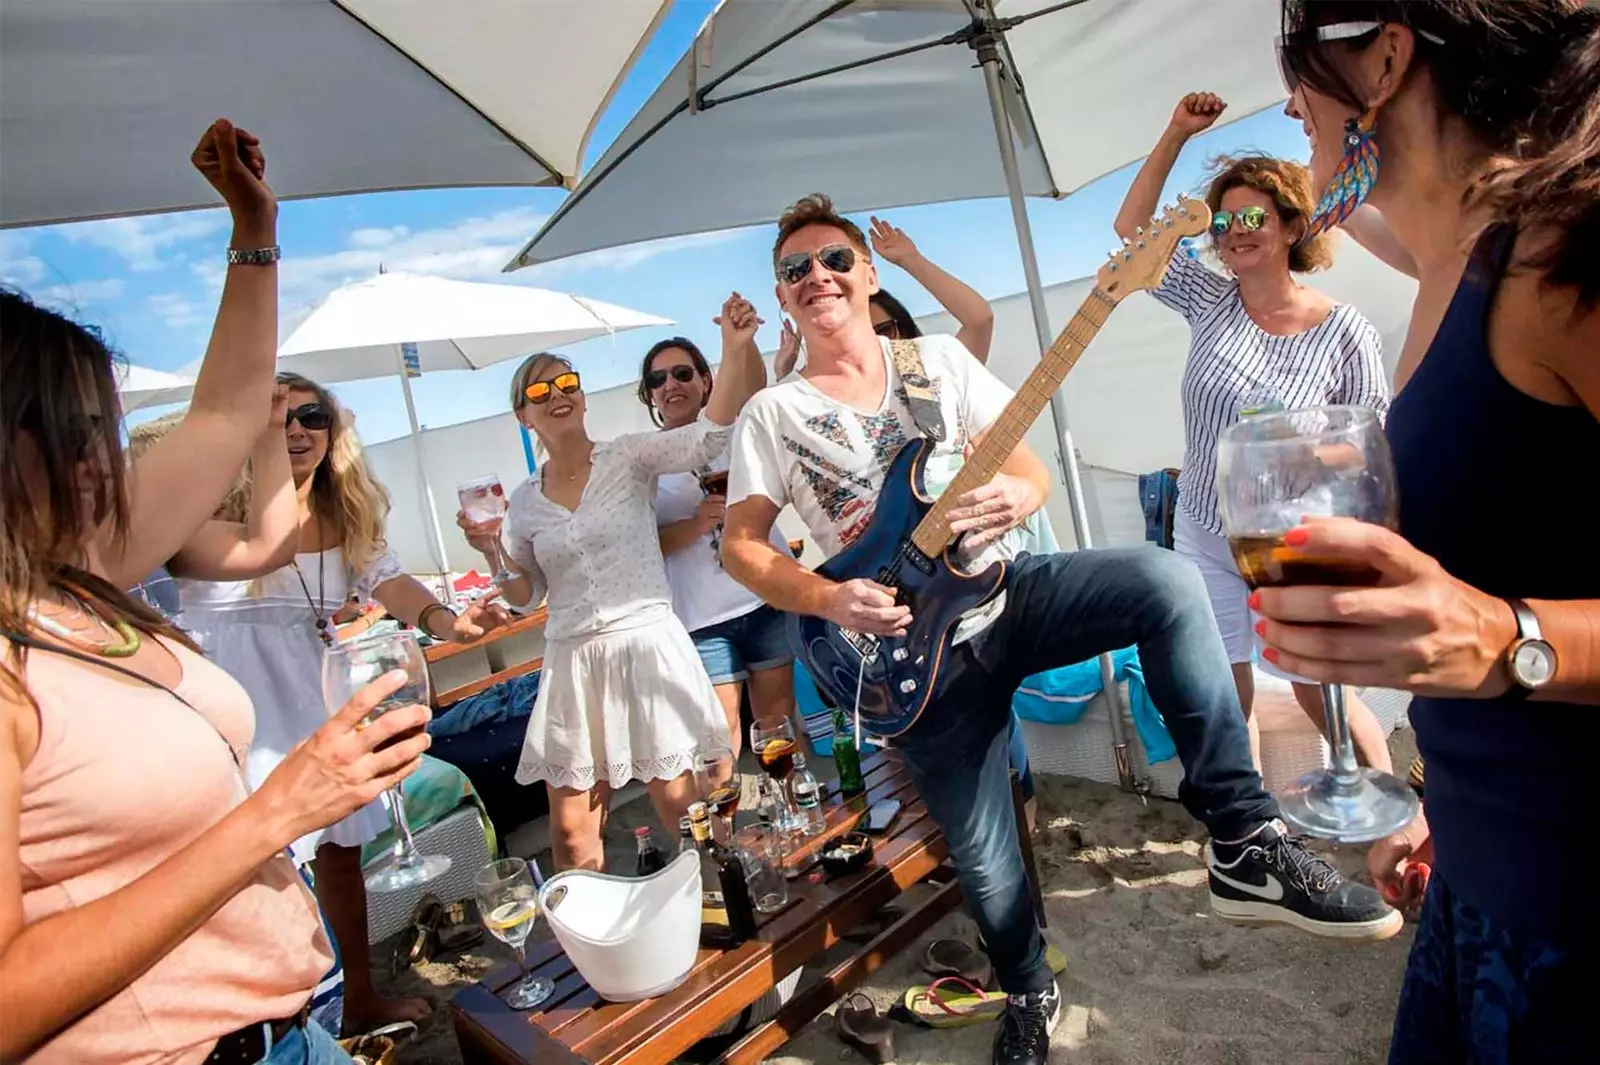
920, 397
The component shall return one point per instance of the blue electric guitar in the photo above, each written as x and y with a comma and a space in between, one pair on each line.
908, 545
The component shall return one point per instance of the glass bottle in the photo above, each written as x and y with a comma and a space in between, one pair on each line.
650, 860
728, 917
846, 759
807, 798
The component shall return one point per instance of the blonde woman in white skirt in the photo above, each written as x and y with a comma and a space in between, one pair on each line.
624, 695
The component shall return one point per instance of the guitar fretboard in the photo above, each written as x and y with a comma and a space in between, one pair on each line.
933, 535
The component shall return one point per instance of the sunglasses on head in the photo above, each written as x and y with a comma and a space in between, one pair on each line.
1333, 31
313, 416
836, 258
1250, 219
541, 391
887, 329
682, 374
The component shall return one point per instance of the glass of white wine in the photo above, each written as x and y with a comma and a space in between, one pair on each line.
346, 669
509, 903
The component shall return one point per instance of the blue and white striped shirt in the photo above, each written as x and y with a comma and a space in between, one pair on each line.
1234, 364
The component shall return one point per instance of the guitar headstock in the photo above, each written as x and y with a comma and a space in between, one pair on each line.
1141, 262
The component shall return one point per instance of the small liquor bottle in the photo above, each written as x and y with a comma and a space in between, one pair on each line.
727, 918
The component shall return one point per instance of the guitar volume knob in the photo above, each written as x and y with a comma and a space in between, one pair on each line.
907, 686
900, 654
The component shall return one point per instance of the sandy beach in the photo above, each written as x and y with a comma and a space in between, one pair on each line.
1151, 976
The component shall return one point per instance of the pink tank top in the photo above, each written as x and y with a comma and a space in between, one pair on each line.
125, 776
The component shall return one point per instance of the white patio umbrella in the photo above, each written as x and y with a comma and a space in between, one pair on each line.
140, 386
375, 327
880, 103
101, 103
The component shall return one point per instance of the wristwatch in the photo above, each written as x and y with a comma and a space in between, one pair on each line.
254, 256
1530, 660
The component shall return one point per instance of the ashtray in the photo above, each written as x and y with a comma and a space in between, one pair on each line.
849, 852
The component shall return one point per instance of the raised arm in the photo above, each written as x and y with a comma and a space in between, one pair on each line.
1195, 112
55, 970
175, 487
1367, 227
265, 540
965, 303
742, 373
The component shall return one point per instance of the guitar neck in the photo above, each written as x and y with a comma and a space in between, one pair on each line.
933, 535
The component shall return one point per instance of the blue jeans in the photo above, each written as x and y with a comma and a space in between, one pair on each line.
731, 650
311, 1045
1060, 609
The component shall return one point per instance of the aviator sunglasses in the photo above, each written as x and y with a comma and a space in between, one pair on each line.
836, 258
541, 391
1250, 219
682, 374
312, 416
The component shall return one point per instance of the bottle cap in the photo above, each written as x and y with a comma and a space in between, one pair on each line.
697, 810
642, 832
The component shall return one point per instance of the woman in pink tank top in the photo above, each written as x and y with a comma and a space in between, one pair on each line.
147, 911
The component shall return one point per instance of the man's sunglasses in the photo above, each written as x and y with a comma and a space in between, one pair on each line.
1250, 219
313, 416
682, 374
887, 329
541, 391
796, 266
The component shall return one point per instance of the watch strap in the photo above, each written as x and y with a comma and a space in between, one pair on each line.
1527, 629
254, 256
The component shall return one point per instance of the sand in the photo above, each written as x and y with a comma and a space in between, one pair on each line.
1152, 977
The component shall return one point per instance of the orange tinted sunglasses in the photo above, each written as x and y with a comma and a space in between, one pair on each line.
541, 391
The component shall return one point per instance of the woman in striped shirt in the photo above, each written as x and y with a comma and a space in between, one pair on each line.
1258, 339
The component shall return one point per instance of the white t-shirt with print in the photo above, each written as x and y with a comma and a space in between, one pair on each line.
795, 445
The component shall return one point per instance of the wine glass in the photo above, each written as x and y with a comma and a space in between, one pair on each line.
346, 669
483, 499
774, 747
508, 902
1273, 470
715, 483
717, 780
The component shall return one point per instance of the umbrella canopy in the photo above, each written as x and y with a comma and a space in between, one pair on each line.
140, 386
455, 325
101, 103
880, 103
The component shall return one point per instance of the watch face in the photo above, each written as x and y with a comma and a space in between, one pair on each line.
1533, 664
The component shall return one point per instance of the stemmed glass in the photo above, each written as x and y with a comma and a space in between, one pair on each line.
715, 483
1274, 470
774, 747
483, 499
508, 902
717, 780
346, 669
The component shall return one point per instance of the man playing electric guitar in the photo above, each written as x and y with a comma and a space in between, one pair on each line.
823, 441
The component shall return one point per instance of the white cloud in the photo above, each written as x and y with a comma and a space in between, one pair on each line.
17, 266
627, 256
143, 242
176, 310
377, 238
73, 294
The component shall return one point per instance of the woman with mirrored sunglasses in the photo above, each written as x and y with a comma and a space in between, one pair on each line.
742, 642
270, 633
623, 696
1259, 340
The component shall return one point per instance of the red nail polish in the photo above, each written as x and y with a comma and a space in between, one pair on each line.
1255, 600
1271, 655
1261, 628
1297, 537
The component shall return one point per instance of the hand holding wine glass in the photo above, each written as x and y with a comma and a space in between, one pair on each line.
340, 767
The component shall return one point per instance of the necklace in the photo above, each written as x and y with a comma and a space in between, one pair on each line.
117, 639
316, 606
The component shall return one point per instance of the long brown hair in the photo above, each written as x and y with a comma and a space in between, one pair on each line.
59, 390
1524, 78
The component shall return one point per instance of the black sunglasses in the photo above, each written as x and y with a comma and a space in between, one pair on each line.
313, 416
887, 329
837, 258
656, 378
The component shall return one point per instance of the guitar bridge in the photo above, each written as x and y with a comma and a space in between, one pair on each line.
865, 644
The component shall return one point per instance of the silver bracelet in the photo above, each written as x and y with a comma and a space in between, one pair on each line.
254, 256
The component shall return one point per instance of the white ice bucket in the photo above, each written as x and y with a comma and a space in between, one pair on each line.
629, 937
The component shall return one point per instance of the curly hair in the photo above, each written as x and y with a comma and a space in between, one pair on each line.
1288, 185
816, 210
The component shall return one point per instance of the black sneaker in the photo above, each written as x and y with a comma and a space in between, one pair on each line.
1025, 1027
1269, 877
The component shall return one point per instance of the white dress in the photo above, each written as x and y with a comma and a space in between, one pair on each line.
623, 694
264, 633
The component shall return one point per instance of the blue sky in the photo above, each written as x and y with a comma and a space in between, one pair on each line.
151, 283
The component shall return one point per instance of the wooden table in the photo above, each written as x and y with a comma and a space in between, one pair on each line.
575, 1026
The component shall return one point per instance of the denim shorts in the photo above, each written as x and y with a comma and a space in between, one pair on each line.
733, 649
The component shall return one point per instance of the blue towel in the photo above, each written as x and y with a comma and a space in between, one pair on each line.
1060, 697
504, 702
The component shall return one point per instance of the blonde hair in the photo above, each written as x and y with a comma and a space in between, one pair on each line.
531, 368
343, 488
141, 438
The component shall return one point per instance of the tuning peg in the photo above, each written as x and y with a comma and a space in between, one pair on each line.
1140, 244
1139, 230
1126, 242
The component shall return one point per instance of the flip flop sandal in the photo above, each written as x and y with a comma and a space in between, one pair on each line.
460, 929
381, 1045
937, 1007
859, 1025
421, 939
955, 957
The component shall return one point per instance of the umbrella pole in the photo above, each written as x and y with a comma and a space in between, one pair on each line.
436, 541
989, 59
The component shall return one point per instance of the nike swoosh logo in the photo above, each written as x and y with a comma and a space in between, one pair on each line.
1272, 890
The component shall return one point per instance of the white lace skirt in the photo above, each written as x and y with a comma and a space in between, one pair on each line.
621, 706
